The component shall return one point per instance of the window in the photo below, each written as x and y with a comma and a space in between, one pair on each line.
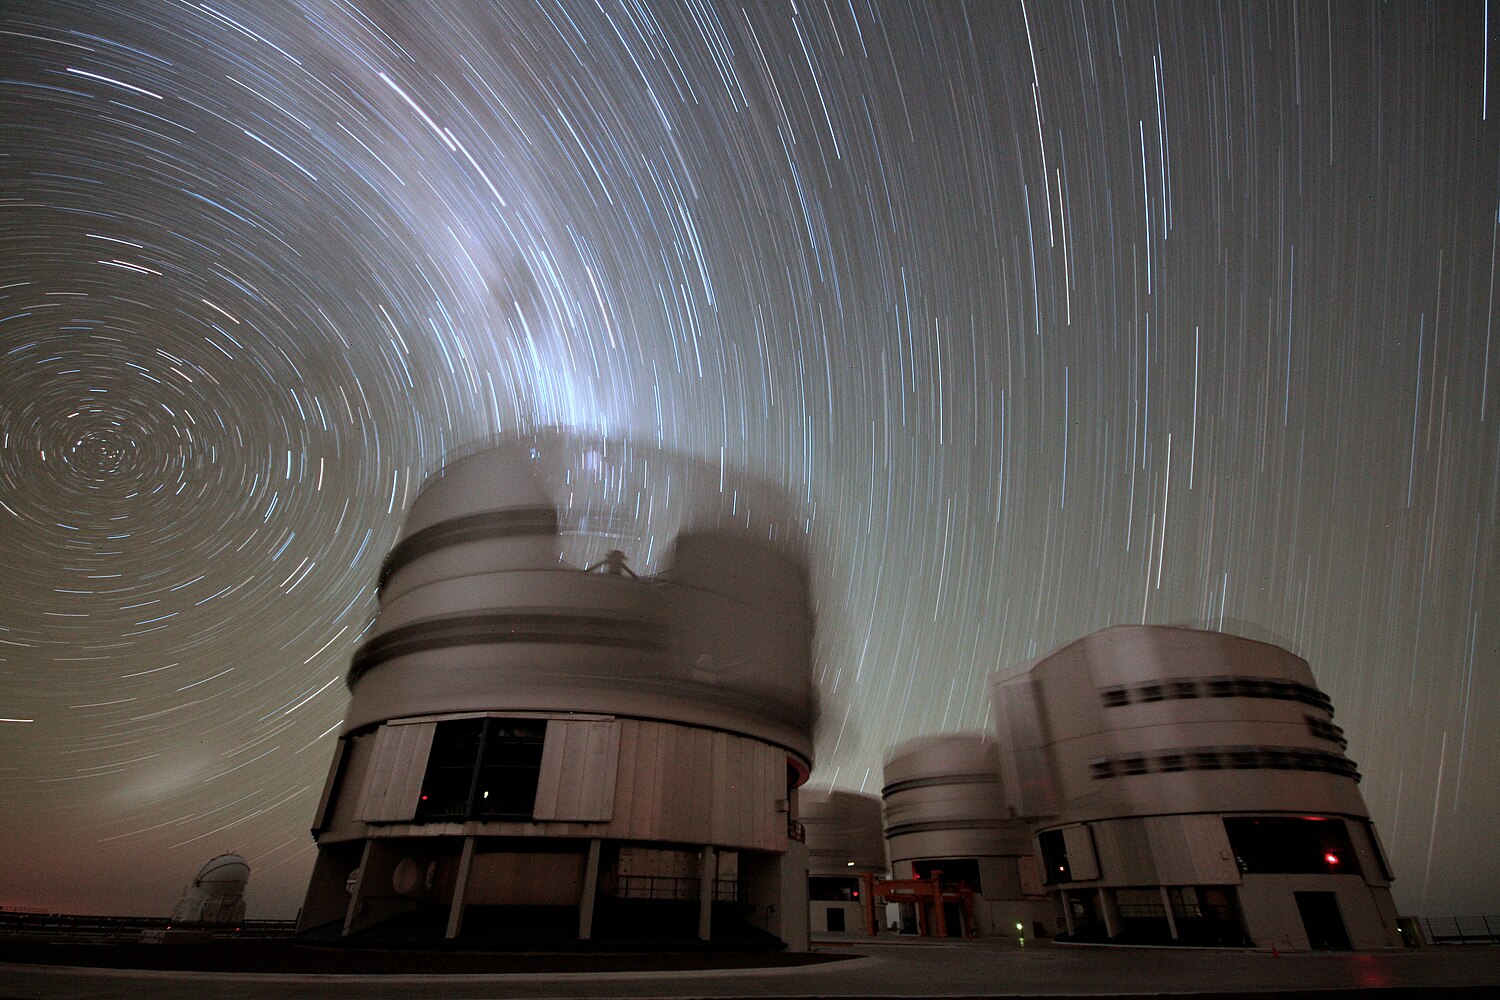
1291, 845
1115, 697
482, 769
1224, 758
1324, 730
1054, 856
832, 889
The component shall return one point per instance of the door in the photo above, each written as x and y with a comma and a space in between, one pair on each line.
1322, 920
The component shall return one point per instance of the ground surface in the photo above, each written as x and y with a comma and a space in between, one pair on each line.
884, 969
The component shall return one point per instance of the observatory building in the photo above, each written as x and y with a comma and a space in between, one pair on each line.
1191, 787
845, 853
945, 819
535, 749
217, 895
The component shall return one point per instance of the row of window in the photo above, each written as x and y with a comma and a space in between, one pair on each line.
1178, 688
1324, 730
1224, 759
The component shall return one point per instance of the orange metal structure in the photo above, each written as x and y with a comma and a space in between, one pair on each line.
928, 894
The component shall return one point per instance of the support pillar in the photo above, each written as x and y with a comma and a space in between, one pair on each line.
1067, 907
1111, 910
460, 890
708, 870
357, 891
590, 892
1166, 904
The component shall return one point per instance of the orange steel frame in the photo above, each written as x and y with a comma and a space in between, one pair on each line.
924, 892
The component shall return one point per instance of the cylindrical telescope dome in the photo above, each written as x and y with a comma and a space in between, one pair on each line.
943, 798
845, 833
479, 610
1145, 719
225, 875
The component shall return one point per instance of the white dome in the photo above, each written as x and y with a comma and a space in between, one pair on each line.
225, 875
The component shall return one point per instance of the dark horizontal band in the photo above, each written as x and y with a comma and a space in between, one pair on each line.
1237, 758
939, 825
975, 778
512, 522
506, 627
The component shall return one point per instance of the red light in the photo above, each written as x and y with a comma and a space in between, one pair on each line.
424, 798
1331, 858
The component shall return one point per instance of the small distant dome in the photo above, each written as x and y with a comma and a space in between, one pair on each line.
225, 875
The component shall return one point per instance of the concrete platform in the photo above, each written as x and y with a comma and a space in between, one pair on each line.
884, 969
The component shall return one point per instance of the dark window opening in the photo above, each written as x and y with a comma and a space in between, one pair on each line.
482, 769
1150, 692
832, 889
1291, 845
955, 871
1115, 697
835, 920
1054, 856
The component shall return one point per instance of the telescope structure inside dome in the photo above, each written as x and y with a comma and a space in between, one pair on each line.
545, 748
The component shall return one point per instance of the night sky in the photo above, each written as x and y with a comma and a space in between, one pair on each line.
1052, 315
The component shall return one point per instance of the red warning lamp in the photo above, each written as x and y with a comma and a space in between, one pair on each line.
1331, 858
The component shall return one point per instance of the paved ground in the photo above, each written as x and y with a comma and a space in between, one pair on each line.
881, 970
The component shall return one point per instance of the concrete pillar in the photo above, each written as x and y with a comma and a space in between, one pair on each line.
708, 871
1110, 907
1166, 902
590, 892
460, 890
357, 892
1067, 912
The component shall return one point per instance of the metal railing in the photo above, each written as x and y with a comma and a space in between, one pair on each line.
78, 927
1462, 930
726, 890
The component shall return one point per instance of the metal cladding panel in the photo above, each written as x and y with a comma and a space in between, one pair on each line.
687, 785
1083, 863
579, 762
1190, 850
395, 777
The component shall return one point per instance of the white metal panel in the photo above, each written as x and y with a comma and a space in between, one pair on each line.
1083, 863
579, 762
395, 777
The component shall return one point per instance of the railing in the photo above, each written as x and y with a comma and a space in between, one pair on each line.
1462, 930
77, 927
726, 890
796, 831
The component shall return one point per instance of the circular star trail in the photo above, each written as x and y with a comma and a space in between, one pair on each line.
1046, 317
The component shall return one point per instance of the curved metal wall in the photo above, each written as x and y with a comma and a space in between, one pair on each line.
478, 612
1148, 720
943, 799
845, 832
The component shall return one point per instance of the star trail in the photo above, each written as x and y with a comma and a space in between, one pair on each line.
1049, 315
